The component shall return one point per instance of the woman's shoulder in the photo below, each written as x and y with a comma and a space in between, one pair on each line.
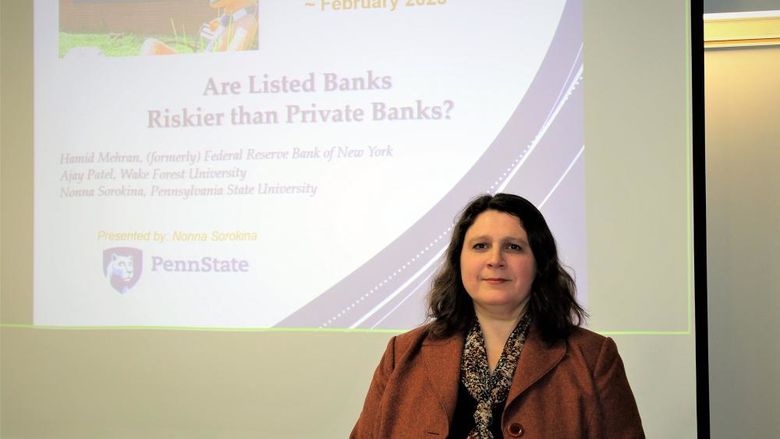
414, 335
419, 336
404, 345
591, 345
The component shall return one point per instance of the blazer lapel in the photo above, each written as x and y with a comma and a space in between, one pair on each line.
536, 360
442, 366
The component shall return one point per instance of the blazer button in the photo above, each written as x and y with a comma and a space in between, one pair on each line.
516, 429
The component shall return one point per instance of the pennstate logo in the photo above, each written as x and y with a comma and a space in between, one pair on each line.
122, 267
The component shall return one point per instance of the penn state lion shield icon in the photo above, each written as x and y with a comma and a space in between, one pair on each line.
122, 266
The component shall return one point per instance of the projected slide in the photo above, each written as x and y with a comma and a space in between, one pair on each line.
290, 163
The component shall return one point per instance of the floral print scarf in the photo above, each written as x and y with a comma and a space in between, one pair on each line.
490, 389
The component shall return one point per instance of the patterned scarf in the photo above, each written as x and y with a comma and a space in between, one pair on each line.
490, 389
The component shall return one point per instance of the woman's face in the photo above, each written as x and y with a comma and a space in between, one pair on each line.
497, 265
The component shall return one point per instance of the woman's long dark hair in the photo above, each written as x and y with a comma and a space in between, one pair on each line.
552, 304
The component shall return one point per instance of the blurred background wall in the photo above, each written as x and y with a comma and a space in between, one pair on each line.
742, 92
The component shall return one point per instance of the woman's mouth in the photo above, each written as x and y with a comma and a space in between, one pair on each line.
494, 280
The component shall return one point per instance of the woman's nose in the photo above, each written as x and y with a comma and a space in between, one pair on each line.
496, 258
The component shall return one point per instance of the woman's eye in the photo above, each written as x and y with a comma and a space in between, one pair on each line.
479, 246
515, 247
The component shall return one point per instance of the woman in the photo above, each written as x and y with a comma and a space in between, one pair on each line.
504, 355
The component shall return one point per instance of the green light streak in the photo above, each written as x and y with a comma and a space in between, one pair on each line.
197, 328
642, 332
284, 330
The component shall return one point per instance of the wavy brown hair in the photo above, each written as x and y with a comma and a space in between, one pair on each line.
552, 304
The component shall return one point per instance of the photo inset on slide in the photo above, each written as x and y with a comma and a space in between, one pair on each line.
161, 27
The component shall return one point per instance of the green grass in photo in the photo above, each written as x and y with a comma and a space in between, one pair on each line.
121, 44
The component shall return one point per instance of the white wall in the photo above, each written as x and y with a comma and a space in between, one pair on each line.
743, 235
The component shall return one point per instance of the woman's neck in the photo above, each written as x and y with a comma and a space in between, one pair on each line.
496, 328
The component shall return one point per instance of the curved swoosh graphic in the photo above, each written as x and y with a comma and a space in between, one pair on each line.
388, 291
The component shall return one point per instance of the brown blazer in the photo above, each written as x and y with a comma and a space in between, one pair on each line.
575, 388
